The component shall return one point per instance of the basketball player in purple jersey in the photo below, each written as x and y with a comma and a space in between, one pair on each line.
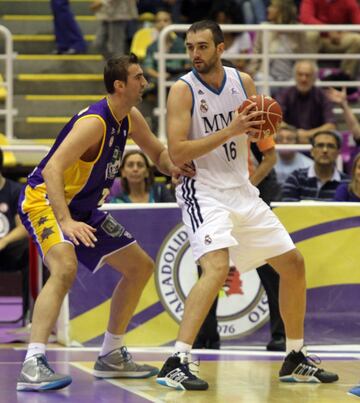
59, 208
222, 211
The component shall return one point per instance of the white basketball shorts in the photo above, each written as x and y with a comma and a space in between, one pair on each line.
235, 218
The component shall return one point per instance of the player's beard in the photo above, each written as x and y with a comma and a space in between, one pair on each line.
206, 67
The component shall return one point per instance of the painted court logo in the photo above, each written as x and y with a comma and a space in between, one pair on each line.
242, 306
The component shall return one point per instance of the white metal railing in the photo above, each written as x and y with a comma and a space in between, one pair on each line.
8, 111
265, 56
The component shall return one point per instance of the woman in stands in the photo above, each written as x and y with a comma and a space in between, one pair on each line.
137, 182
350, 192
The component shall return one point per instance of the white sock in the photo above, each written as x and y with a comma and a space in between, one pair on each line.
181, 347
111, 342
35, 348
294, 344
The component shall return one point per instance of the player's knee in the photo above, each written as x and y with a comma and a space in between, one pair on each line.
218, 274
67, 273
296, 266
144, 270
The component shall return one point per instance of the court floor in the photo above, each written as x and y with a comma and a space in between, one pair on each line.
244, 376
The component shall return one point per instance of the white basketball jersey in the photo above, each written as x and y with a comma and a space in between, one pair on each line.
213, 109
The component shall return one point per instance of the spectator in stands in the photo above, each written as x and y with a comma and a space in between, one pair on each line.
174, 44
68, 36
279, 12
350, 192
235, 42
351, 137
253, 11
289, 160
319, 182
114, 17
333, 12
304, 105
13, 235
352, 123
137, 182
195, 10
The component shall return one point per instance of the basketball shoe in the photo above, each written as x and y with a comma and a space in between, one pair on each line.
176, 374
36, 374
298, 368
119, 364
355, 391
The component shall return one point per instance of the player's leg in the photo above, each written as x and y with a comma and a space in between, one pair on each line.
114, 360
36, 373
175, 372
292, 300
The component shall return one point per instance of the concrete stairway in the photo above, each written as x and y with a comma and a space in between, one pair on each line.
48, 88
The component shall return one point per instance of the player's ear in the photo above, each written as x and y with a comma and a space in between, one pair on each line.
221, 47
119, 85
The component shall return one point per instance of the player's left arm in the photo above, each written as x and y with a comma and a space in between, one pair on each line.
151, 145
248, 84
265, 166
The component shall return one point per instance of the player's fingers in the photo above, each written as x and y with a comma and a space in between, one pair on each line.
84, 237
248, 108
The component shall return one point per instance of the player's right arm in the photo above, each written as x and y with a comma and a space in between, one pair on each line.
82, 142
182, 149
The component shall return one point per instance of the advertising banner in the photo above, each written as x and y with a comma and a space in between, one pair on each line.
328, 237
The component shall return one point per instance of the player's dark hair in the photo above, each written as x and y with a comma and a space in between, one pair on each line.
117, 69
214, 27
1, 160
148, 181
332, 133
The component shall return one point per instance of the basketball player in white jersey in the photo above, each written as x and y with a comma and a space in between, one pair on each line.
222, 211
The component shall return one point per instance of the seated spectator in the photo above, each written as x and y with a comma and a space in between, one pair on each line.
137, 182
13, 235
304, 105
350, 192
289, 160
279, 12
333, 12
114, 17
174, 44
235, 42
319, 182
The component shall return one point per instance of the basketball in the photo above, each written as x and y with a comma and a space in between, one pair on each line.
272, 113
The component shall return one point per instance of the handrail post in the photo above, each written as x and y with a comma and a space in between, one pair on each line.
9, 117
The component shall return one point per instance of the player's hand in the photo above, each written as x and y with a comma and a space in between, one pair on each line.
78, 231
247, 121
339, 97
187, 169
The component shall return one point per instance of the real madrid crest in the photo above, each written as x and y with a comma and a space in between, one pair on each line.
203, 106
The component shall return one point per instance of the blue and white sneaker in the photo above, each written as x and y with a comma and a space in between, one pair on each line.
299, 368
355, 391
176, 374
37, 375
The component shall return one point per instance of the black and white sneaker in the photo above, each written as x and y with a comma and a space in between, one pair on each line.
176, 374
298, 368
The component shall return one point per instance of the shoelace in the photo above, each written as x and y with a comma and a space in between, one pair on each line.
313, 361
125, 354
44, 366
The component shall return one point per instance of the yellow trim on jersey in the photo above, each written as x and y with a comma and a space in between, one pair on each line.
77, 175
130, 122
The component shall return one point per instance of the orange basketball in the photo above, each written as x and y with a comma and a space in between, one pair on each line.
272, 113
